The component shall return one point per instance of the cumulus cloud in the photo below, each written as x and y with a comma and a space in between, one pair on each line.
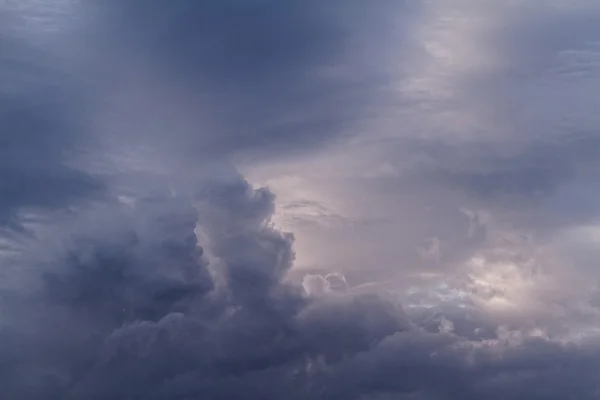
131, 309
137, 262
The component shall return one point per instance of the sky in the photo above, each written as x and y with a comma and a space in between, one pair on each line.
299, 199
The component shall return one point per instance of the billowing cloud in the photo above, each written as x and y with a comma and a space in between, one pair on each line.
434, 163
133, 309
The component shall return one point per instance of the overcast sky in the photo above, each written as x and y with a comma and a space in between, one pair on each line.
299, 199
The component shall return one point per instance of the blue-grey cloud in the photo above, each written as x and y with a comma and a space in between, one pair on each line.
155, 272
225, 79
279, 77
130, 310
42, 119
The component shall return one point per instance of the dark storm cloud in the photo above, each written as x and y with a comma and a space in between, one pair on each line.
111, 271
443, 366
226, 78
173, 287
279, 76
42, 114
243, 42
128, 309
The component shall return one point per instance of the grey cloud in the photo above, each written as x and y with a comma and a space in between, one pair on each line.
261, 79
175, 287
541, 32
536, 185
447, 367
531, 133
269, 77
131, 312
140, 264
528, 168
127, 308
41, 121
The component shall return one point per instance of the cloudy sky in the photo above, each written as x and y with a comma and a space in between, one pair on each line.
299, 199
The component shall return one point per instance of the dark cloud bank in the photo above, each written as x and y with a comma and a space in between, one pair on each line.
133, 309
121, 301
